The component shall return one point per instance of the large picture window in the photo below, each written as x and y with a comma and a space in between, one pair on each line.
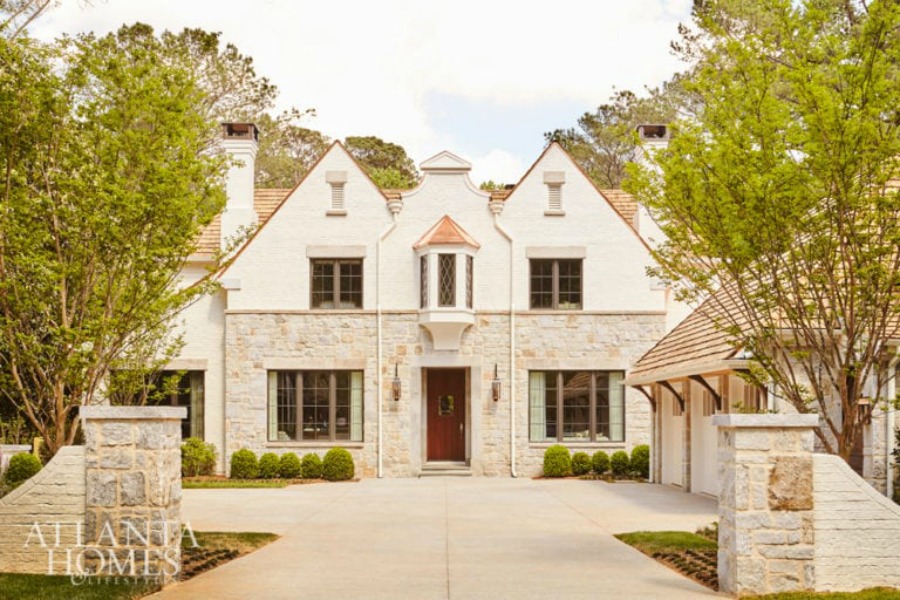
577, 406
315, 406
556, 284
336, 283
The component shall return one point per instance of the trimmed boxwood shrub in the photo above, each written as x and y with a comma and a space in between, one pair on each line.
244, 465
600, 462
337, 465
619, 463
581, 463
197, 458
268, 466
557, 462
289, 466
640, 460
311, 466
22, 467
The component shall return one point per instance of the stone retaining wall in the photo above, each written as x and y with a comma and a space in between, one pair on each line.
857, 530
110, 507
791, 520
55, 495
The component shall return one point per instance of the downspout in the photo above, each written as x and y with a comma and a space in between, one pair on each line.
394, 205
497, 208
889, 425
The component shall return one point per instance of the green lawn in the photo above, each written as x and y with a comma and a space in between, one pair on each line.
215, 548
214, 484
662, 545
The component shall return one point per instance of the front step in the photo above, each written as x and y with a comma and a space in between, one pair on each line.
445, 469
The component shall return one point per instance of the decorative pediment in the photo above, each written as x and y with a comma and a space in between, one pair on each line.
446, 162
444, 233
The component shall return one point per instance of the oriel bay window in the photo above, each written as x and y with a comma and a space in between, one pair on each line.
336, 283
315, 406
555, 284
576, 406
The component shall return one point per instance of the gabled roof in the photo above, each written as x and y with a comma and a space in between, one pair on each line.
445, 232
446, 161
624, 203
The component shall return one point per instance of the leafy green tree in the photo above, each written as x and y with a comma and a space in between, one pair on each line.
286, 149
106, 186
605, 140
491, 186
386, 163
779, 198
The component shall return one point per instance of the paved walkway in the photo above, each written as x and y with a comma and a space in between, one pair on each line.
488, 538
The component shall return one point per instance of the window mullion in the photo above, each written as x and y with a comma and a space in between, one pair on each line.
592, 402
336, 284
332, 405
555, 285
298, 403
560, 426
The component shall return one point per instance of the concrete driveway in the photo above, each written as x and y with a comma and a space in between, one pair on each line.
488, 538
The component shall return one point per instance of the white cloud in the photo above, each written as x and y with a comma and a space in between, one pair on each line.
498, 166
367, 67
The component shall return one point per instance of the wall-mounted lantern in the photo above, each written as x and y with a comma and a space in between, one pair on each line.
395, 384
864, 411
496, 385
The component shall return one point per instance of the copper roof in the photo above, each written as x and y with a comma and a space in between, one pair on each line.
446, 231
265, 201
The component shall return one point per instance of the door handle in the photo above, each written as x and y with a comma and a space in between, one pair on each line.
460, 428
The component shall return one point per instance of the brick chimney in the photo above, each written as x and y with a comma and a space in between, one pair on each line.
241, 142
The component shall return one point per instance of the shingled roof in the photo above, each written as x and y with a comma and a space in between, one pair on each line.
624, 203
265, 201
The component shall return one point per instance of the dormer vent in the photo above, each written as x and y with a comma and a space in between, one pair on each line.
337, 180
554, 181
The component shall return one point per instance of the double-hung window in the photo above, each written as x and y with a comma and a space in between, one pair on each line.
315, 406
577, 406
336, 283
556, 284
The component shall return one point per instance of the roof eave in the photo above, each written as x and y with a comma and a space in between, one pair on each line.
684, 371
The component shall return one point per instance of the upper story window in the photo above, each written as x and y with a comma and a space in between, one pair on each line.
556, 284
336, 283
446, 280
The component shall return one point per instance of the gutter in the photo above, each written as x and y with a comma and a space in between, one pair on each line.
395, 209
496, 209
677, 372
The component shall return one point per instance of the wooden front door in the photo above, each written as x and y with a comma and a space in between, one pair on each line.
446, 414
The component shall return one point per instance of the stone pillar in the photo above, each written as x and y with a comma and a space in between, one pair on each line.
766, 524
132, 520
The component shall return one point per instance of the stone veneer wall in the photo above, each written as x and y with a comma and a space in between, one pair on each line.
791, 520
257, 342
55, 495
857, 530
133, 478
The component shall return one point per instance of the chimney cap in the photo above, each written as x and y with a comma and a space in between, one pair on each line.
653, 132
240, 131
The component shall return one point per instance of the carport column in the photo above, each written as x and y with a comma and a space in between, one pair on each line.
132, 520
657, 393
686, 437
766, 537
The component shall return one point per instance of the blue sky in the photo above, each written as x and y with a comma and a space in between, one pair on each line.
481, 78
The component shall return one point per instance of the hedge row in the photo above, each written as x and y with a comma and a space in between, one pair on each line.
336, 466
559, 463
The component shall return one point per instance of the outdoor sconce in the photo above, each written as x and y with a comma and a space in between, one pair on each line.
395, 385
864, 411
495, 385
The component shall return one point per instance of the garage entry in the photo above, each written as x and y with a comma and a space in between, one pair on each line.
672, 426
704, 464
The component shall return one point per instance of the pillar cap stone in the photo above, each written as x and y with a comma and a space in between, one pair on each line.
766, 421
132, 413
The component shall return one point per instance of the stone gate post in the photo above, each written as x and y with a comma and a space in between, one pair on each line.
766, 519
132, 519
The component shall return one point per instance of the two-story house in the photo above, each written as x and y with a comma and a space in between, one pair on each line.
443, 327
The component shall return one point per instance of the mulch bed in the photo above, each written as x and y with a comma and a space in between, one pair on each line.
699, 565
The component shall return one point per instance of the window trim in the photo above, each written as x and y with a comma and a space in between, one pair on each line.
272, 436
554, 297
593, 404
336, 283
